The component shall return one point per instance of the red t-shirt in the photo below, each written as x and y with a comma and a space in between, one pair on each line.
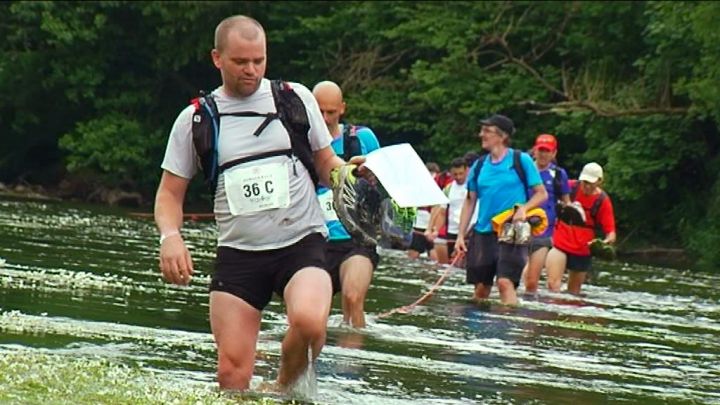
443, 179
574, 239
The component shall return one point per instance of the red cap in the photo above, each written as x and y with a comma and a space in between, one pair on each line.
547, 142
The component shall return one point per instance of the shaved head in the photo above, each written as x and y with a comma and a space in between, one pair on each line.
248, 29
328, 90
330, 100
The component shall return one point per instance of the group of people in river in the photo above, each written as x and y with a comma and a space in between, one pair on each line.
272, 153
564, 222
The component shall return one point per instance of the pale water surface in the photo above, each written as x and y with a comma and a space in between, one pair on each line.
81, 299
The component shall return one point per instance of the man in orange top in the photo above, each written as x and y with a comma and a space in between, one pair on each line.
571, 241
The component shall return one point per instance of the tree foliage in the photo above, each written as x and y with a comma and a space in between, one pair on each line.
95, 86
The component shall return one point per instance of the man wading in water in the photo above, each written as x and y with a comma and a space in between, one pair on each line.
271, 231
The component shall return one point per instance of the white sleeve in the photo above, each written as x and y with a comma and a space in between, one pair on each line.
319, 135
180, 154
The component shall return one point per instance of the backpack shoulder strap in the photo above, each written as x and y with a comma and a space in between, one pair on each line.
351, 142
557, 183
475, 173
293, 115
205, 135
517, 164
596, 206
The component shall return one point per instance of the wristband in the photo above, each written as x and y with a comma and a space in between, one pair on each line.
167, 235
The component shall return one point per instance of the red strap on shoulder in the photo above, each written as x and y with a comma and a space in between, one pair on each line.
196, 103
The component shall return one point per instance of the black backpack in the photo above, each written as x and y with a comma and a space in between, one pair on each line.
291, 112
517, 165
351, 143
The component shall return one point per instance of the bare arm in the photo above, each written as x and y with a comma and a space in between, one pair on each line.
610, 238
169, 202
437, 221
326, 160
539, 196
175, 261
465, 214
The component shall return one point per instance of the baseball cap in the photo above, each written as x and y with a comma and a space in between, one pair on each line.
546, 141
497, 120
591, 173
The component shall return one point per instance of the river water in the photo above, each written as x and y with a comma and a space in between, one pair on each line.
86, 318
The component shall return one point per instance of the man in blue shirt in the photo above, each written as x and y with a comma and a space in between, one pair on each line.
497, 186
555, 180
350, 264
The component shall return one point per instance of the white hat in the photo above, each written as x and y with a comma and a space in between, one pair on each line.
592, 172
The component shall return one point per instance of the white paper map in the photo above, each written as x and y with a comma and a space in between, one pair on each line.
404, 176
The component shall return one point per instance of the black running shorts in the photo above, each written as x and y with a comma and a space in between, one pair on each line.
254, 275
337, 252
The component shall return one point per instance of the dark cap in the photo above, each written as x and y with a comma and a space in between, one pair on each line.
504, 123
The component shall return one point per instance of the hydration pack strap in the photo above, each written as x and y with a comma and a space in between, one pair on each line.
269, 117
232, 163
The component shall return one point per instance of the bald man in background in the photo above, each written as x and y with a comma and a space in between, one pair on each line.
350, 263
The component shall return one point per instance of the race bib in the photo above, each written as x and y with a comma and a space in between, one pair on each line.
257, 188
326, 204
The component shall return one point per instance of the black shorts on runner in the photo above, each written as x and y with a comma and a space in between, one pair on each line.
253, 275
337, 252
577, 263
486, 259
420, 243
539, 243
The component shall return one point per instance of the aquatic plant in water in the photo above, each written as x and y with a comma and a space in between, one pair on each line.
34, 376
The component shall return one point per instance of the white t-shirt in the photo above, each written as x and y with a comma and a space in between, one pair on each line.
422, 219
457, 193
267, 229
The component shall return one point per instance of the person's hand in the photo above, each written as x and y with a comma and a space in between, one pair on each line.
346, 171
430, 235
361, 170
175, 261
460, 244
520, 214
356, 160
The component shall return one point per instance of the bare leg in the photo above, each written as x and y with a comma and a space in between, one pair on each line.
441, 250
355, 276
308, 298
575, 281
235, 325
508, 295
534, 267
482, 291
413, 254
556, 262
432, 254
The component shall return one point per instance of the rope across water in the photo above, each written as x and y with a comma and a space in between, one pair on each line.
408, 308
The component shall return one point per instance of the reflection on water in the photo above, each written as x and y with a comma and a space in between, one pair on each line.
80, 293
